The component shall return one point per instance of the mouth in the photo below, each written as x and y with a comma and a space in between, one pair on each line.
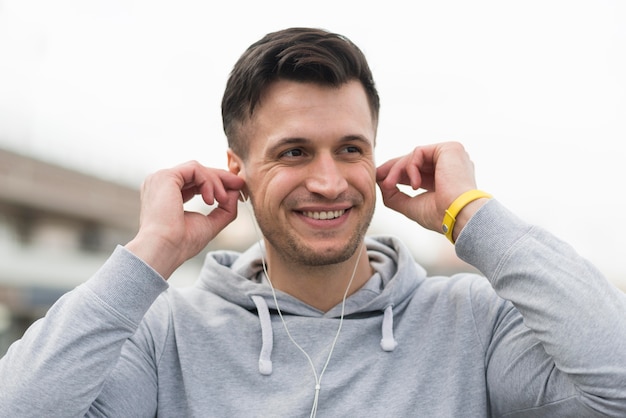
324, 215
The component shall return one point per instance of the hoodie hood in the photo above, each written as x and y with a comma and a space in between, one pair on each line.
239, 279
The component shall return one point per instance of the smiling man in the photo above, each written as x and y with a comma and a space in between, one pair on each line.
310, 173
318, 318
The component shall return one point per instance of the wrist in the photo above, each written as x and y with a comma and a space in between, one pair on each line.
156, 254
466, 214
461, 210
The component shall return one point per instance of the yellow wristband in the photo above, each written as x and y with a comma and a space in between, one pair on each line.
449, 218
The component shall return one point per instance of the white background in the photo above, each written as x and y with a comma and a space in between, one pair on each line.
536, 91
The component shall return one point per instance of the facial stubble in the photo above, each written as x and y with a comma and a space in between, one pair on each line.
294, 250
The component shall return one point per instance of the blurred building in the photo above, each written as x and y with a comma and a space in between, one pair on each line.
58, 226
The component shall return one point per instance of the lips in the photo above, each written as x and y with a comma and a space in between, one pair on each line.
324, 215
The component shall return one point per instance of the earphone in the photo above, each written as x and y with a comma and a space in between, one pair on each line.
318, 378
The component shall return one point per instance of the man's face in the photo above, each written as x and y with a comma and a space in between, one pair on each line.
310, 170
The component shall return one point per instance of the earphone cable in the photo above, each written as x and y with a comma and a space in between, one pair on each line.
318, 378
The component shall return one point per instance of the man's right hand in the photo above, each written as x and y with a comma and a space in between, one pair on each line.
168, 235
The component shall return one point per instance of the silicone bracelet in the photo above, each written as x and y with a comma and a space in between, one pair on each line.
459, 203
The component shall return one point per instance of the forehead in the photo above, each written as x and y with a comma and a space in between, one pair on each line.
290, 109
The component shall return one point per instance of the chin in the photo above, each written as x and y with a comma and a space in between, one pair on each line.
328, 255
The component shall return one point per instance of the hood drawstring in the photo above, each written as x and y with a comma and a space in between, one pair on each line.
388, 343
265, 357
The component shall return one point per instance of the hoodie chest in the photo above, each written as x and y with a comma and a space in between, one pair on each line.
216, 354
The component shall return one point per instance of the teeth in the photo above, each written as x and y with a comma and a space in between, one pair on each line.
331, 214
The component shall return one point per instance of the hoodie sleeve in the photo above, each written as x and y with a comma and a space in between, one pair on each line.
568, 357
60, 365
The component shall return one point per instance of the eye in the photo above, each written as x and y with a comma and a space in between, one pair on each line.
295, 152
350, 149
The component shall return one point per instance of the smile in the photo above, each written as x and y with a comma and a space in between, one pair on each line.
331, 214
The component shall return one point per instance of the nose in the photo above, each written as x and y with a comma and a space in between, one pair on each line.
325, 177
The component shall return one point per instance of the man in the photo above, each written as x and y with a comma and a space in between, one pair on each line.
317, 318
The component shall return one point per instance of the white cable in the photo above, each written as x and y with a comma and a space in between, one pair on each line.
318, 379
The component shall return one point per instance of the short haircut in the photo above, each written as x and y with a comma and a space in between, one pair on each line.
295, 54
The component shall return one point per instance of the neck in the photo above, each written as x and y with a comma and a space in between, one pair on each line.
322, 287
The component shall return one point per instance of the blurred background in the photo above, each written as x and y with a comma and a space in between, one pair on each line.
96, 94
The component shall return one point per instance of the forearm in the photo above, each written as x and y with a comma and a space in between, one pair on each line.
62, 361
571, 308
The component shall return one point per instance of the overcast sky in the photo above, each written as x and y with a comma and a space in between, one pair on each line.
535, 90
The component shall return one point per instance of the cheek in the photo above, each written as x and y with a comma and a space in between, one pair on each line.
365, 180
271, 188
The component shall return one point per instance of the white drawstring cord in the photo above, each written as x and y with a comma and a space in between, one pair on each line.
318, 379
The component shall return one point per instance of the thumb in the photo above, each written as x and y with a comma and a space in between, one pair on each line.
225, 212
415, 208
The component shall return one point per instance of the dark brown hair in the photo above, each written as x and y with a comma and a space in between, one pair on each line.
296, 54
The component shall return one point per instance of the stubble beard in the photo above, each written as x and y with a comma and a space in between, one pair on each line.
295, 250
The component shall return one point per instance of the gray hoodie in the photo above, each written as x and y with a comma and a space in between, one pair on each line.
549, 341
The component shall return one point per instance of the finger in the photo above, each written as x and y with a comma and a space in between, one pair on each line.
209, 182
189, 192
405, 170
383, 170
413, 172
225, 212
219, 185
392, 173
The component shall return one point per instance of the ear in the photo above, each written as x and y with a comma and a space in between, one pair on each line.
236, 166
235, 163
